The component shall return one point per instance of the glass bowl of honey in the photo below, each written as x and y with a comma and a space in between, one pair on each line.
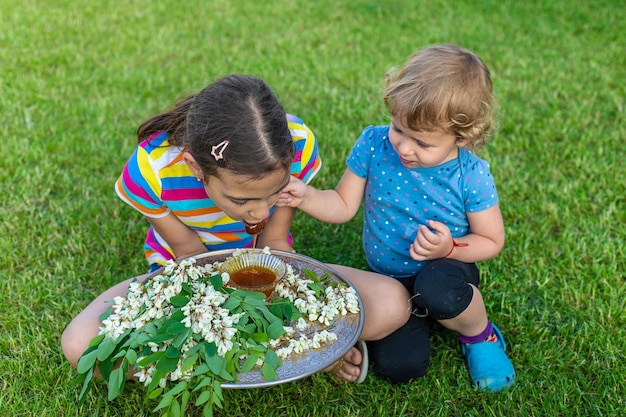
254, 271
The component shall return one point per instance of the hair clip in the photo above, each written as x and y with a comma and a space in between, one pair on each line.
218, 150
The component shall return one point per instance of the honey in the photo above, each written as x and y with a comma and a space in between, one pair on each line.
255, 278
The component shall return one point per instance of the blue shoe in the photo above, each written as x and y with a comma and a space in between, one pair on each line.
489, 367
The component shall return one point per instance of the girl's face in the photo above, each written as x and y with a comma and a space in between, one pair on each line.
420, 149
243, 198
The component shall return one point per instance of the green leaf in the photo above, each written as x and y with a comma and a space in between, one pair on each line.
207, 411
216, 281
215, 363
150, 329
150, 359
175, 408
180, 339
288, 311
131, 356
120, 354
317, 288
86, 385
217, 394
160, 338
172, 353
156, 378
272, 359
260, 337
202, 369
178, 388
95, 341
175, 327
86, 361
203, 397
177, 315
166, 364
227, 376
155, 393
269, 373
217, 390
105, 369
184, 400
179, 300
210, 348
205, 381
138, 340
116, 383
232, 303
310, 274
269, 316
165, 402
250, 328
189, 362
249, 363
275, 330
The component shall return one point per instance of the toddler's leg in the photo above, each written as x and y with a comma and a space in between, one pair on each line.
405, 354
448, 291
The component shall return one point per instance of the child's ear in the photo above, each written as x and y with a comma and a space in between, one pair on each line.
192, 164
461, 141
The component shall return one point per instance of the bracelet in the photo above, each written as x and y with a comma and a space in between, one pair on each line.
455, 244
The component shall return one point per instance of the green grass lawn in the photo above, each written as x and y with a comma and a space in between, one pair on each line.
77, 78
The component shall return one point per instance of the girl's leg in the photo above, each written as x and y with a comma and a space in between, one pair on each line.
386, 308
385, 301
86, 324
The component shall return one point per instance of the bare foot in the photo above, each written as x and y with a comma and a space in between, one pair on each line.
347, 368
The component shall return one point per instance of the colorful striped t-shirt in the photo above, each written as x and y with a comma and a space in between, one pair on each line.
156, 181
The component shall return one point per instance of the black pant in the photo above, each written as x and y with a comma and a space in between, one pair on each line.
440, 291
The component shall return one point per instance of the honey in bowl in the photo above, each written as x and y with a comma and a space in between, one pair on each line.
255, 278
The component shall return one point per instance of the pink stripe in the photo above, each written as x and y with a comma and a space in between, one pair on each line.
133, 188
184, 194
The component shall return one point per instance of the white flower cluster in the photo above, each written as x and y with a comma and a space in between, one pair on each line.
292, 344
151, 300
337, 301
204, 315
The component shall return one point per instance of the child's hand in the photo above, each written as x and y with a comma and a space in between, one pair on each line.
293, 194
428, 245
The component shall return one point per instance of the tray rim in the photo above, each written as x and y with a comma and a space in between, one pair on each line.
285, 256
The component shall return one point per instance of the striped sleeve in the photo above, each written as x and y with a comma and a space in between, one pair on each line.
139, 184
307, 161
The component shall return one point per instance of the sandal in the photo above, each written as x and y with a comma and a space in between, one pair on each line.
489, 367
363, 366
365, 361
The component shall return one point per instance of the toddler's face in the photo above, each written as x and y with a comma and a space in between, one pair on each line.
422, 149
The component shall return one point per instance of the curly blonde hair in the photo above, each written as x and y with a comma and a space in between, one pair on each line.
443, 87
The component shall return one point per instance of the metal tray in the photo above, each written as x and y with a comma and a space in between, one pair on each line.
298, 366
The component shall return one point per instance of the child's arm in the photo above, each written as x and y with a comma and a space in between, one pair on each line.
485, 240
330, 206
183, 240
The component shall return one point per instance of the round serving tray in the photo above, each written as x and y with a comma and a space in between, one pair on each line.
298, 366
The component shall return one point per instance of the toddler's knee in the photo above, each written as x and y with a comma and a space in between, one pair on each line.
442, 299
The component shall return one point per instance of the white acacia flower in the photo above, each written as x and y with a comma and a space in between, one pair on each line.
148, 302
